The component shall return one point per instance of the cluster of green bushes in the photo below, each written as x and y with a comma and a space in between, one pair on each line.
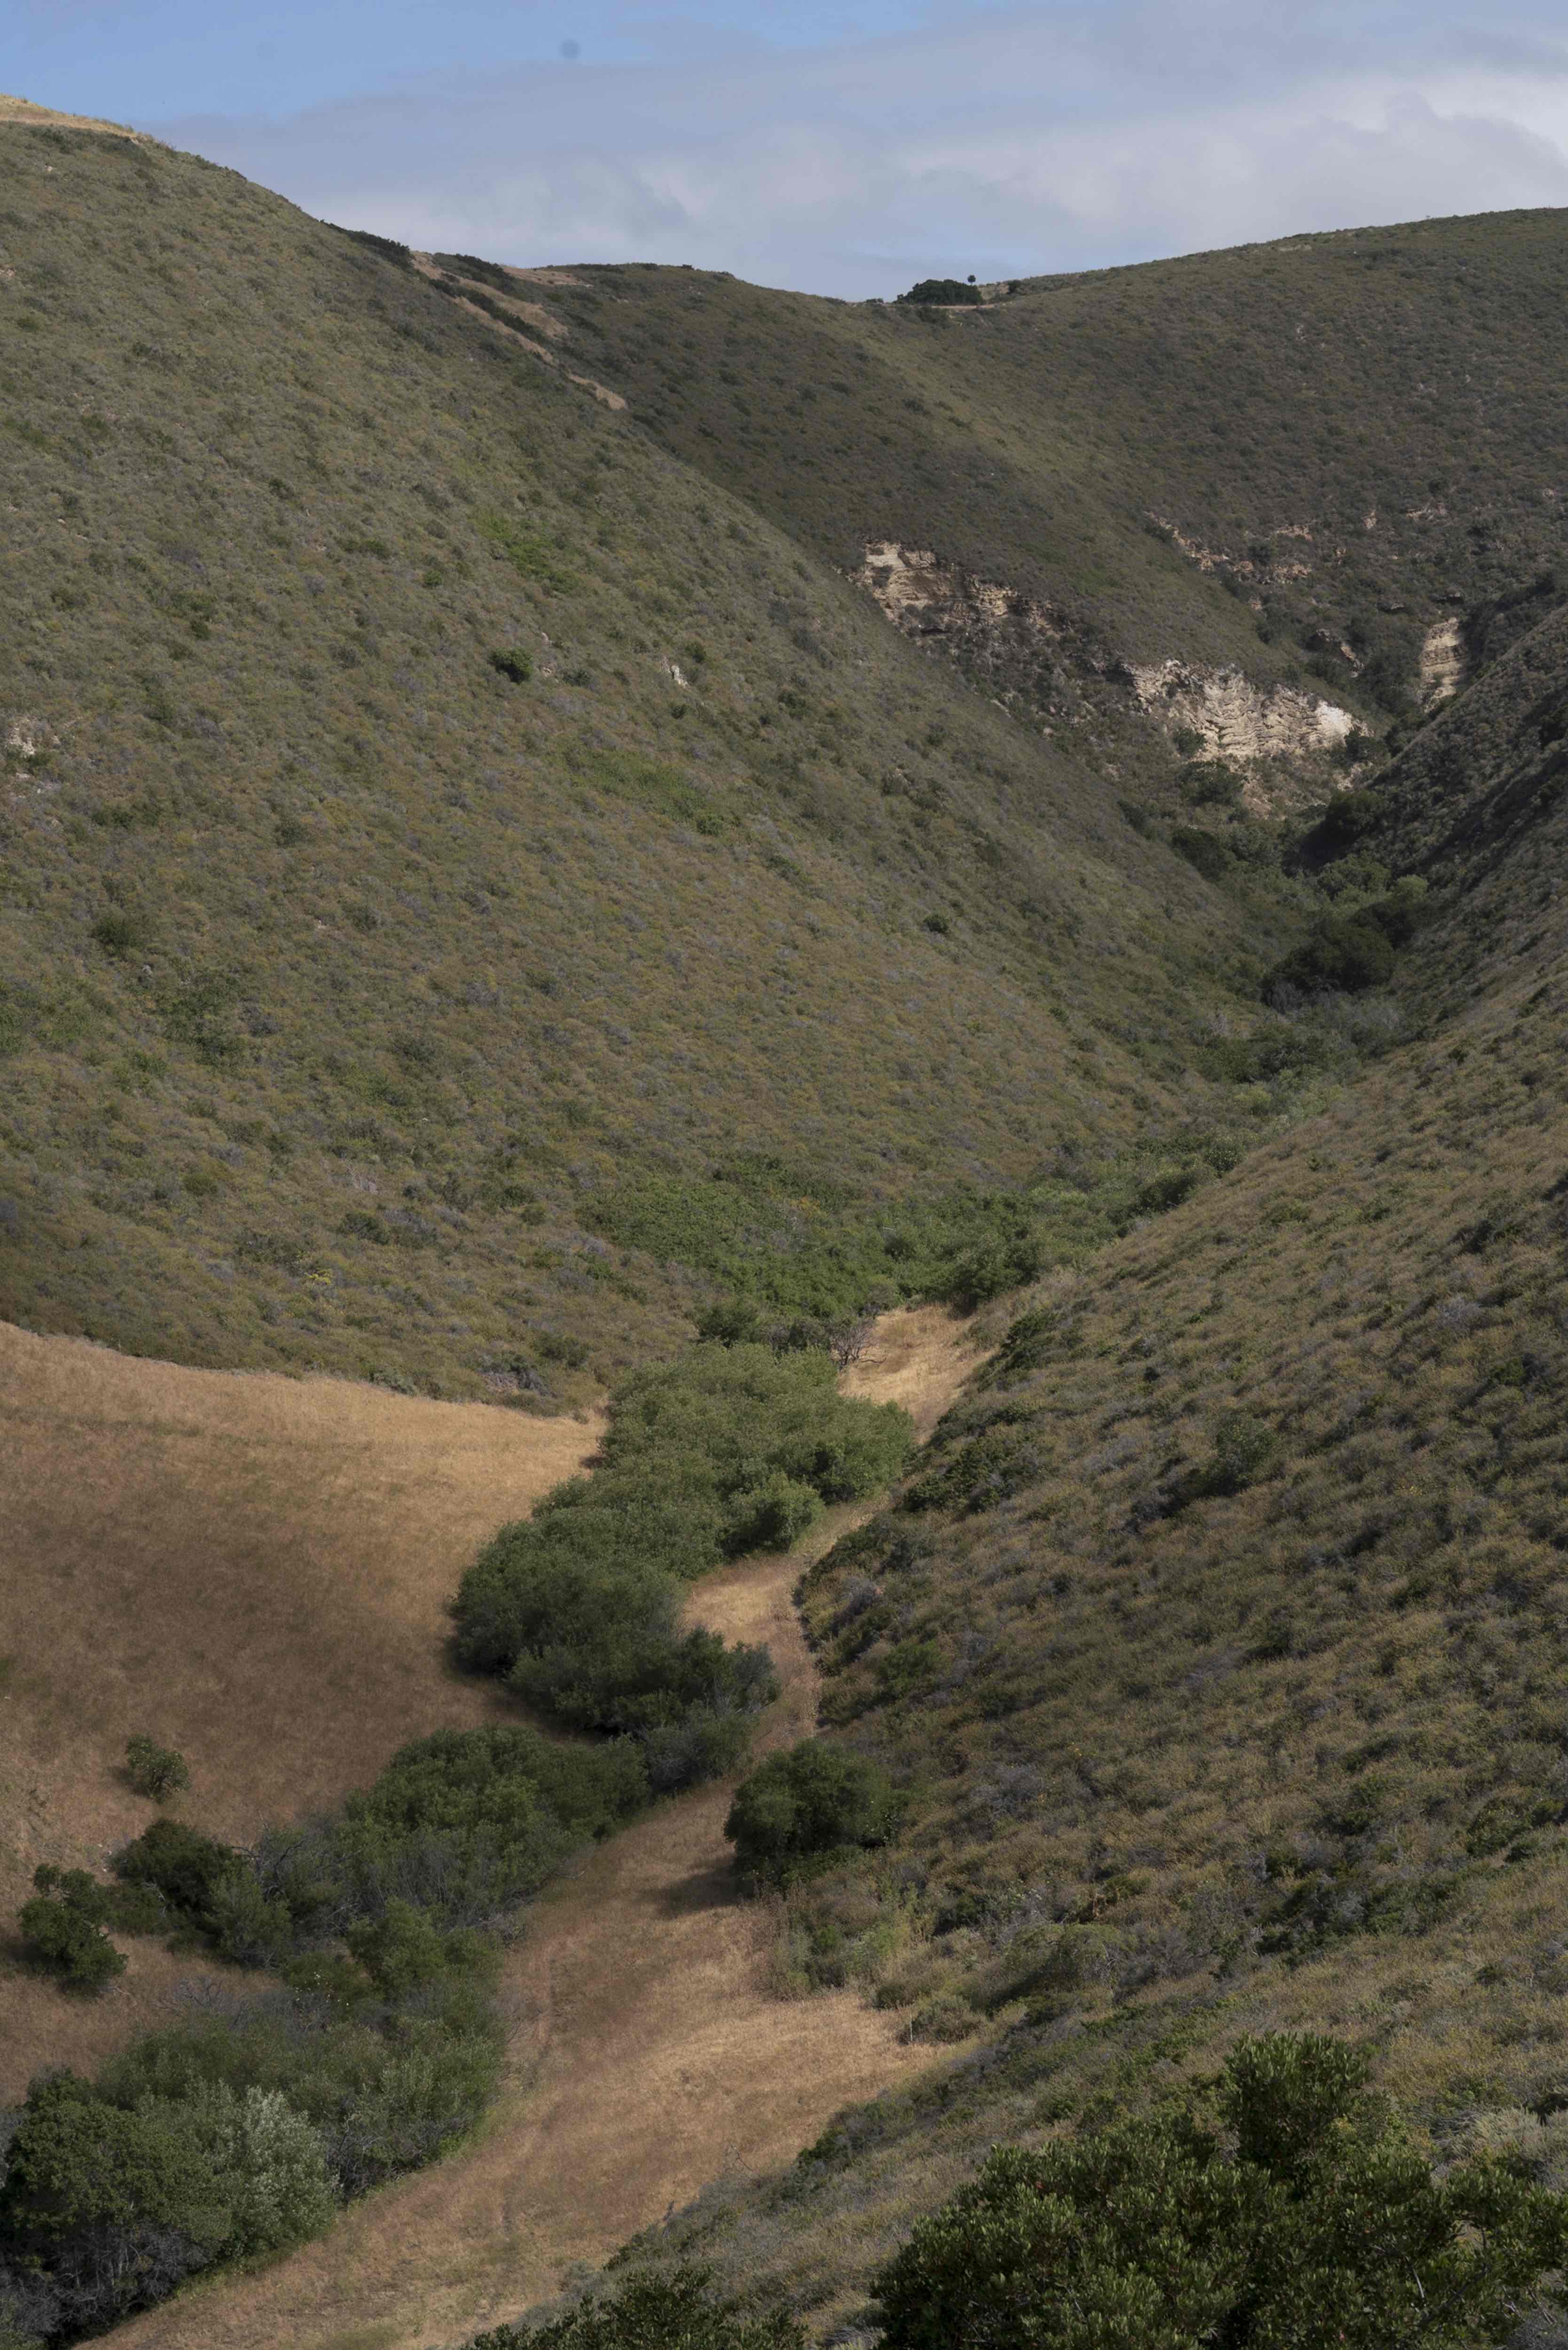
942, 290
780, 1238
732, 1449
1293, 2210
236, 2135
1351, 950
1283, 2206
239, 2131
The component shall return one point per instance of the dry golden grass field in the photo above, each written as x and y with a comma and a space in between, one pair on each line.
649, 2052
250, 1568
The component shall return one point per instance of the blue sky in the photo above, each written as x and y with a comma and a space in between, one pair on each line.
846, 148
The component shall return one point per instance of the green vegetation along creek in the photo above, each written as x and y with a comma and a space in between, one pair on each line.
1052, 802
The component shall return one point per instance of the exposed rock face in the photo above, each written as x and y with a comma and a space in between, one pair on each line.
1237, 719
1033, 660
1442, 663
926, 596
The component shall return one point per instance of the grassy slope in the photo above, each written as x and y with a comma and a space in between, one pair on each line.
1355, 432
255, 1570
1187, 1763
340, 973
369, 915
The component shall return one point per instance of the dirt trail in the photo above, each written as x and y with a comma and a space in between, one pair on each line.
253, 1569
647, 2058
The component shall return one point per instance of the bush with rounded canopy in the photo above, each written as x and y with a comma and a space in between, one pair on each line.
814, 1799
1323, 2231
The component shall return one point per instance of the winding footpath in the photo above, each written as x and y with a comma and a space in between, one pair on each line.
647, 2056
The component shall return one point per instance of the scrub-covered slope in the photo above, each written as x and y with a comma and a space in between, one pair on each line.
1305, 462
1218, 1644
428, 807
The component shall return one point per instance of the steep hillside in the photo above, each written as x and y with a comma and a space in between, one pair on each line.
542, 805
429, 808
1302, 462
1220, 1642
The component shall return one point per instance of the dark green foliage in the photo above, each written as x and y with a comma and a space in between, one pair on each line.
776, 1236
1245, 1449
1206, 852
184, 1865
62, 1928
387, 246
512, 664
463, 1824
679, 2311
1009, 1261
732, 1448
236, 2136
154, 1771
1346, 954
942, 290
814, 1800
1326, 2228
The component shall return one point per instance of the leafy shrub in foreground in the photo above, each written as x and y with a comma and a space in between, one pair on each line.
1325, 2230
816, 1798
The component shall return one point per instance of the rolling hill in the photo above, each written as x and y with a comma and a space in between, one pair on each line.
548, 805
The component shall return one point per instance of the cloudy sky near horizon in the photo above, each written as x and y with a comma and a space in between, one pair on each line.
843, 149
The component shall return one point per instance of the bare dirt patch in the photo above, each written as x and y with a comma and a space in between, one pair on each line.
256, 1570
1442, 663
648, 2057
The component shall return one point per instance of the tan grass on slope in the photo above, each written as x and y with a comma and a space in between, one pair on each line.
647, 2055
23, 111
251, 1568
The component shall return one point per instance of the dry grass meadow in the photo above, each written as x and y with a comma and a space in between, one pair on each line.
250, 1568
255, 1569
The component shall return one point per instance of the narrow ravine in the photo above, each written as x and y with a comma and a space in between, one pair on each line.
648, 2057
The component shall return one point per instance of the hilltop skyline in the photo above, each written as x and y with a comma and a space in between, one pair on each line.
836, 152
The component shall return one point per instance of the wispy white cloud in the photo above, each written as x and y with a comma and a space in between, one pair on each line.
1001, 139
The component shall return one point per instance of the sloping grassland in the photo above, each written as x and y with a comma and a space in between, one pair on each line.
428, 805
1220, 1640
1295, 458
255, 1570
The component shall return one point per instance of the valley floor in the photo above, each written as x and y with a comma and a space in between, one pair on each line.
648, 2055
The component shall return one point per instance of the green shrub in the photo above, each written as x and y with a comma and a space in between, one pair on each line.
116, 933
1245, 1449
512, 664
1346, 954
1204, 851
772, 1516
942, 290
678, 2312
62, 1928
1325, 2230
814, 1799
996, 1265
184, 1865
154, 1771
